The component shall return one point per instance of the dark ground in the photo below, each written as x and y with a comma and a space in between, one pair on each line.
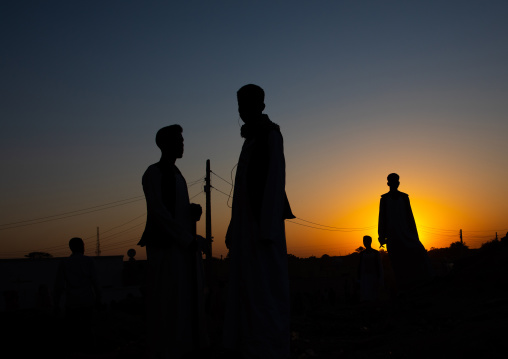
463, 313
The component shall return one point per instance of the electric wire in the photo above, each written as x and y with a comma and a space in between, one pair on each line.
338, 228
121, 225
65, 213
71, 215
83, 211
330, 229
229, 183
473, 236
196, 195
218, 190
121, 232
65, 246
195, 183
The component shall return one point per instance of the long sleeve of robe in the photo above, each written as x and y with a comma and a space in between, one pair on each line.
257, 311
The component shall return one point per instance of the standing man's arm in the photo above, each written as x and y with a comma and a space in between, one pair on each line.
272, 208
164, 220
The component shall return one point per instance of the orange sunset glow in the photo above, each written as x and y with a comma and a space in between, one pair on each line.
105, 102
358, 94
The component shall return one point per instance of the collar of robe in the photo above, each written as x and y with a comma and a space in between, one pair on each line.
259, 127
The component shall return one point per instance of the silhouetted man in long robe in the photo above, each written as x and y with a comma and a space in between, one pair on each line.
175, 310
397, 229
257, 308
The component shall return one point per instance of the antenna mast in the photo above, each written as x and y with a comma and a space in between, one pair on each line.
98, 245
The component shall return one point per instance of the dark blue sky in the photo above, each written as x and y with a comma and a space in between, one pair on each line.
358, 87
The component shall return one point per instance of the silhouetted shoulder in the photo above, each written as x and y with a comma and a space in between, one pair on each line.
153, 167
275, 136
152, 170
387, 194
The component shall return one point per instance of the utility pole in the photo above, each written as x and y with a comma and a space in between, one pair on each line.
98, 245
208, 187
461, 236
210, 280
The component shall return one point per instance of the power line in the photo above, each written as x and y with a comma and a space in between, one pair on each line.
487, 230
220, 191
65, 213
333, 230
121, 244
438, 234
195, 183
438, 229
71, 215
121, 225
61, 247
229, 183
196, 195
125, 230
338, 228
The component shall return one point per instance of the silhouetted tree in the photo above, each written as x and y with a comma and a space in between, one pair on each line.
491, 245
38, 255
459, 245
359, 249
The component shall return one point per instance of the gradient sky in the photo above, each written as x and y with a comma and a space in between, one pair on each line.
359, 88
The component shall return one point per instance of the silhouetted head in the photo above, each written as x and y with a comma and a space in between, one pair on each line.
170, 140
77, 245
367, 242
393, 181
251, 102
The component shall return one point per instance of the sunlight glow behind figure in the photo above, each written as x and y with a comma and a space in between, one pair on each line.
359, 90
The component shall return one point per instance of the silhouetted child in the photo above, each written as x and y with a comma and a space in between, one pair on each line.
370, 272
77, 280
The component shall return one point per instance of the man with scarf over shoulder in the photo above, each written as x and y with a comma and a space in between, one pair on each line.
256, 323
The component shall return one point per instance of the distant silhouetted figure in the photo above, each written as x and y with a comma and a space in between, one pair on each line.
397, 229
370, 272
175, 309
77, 281
257, 309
